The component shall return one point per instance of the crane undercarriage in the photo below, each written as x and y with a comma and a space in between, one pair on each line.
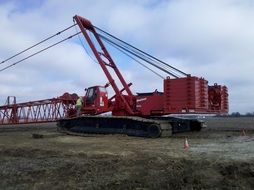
131, 126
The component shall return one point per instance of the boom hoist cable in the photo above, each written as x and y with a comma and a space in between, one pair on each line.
132, 51
119, 49
40, 51
127, 54
144, 58
141, 54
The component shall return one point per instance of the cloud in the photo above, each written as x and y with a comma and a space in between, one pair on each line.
212, 39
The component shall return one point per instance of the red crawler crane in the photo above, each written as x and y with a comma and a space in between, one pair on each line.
139, 115
143, 114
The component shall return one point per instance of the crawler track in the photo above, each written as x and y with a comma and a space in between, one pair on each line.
132, 126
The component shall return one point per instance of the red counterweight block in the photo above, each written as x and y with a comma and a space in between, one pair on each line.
186, 95
218, 98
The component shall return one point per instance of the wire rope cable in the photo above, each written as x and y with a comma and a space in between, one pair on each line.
141, 51
166, 71
17, 62
142, 57
42, 41
124, 52
83, 45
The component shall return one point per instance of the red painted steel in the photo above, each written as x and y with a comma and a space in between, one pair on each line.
181, 95
150, 103
37, 111
186, 95
124, 104
95, 101
218, 98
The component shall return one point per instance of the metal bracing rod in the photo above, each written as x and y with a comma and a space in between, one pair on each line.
141, 51
13, 64
46, 39
105, 38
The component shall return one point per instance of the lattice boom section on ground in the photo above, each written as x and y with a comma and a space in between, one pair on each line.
36, 111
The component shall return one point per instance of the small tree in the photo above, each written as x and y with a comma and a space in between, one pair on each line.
235, 114
249, 114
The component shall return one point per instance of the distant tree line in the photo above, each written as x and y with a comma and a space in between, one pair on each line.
238, 114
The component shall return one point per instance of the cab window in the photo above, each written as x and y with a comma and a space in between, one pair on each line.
90, 93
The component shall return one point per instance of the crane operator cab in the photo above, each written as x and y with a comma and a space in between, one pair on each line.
96, 100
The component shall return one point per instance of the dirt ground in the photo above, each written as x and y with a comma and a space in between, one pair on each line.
220, 157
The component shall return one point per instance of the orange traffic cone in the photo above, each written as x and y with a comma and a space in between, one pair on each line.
186, 144
243, 133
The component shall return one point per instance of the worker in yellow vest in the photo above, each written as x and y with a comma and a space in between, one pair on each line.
79, 103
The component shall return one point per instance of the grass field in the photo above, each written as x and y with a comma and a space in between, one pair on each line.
220, 157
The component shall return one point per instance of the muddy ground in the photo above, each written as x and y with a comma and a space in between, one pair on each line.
220, 157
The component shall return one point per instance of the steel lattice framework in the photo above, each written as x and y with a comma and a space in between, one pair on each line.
36, 111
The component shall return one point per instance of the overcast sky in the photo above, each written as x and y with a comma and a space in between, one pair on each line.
213, 39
